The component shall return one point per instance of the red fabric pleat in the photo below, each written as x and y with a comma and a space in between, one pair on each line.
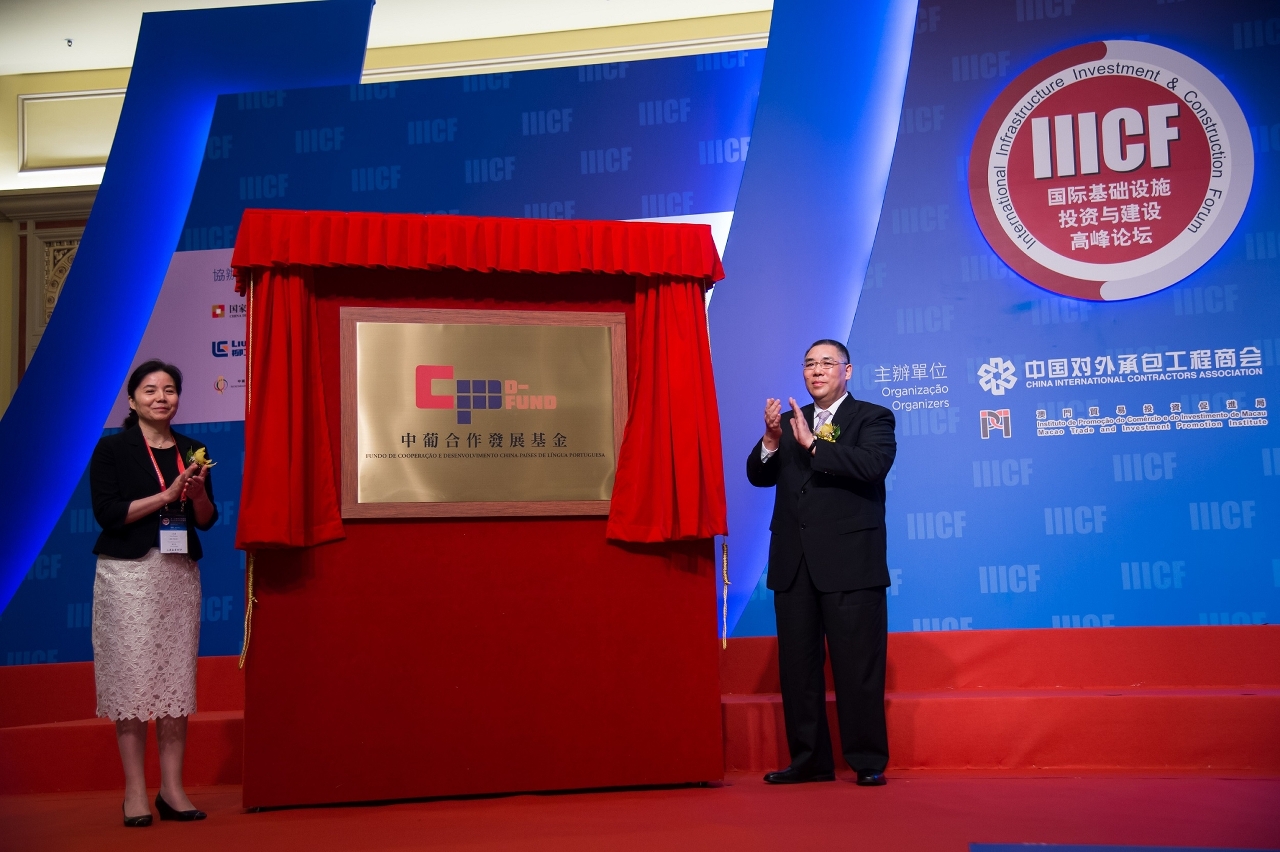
288, 496
278, 238
670, 484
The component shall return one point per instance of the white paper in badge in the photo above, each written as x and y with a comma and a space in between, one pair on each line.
173, 534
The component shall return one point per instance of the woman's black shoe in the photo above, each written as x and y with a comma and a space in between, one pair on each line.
136, 822
168, 812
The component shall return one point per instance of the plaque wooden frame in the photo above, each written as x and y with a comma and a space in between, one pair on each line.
616, 322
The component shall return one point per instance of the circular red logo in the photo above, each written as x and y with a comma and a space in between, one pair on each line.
1111, 170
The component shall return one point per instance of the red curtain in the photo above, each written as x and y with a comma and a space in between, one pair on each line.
670, 480
669, 484
278, 238
288, 496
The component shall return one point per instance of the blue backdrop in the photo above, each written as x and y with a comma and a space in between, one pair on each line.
1017, 531
184, 60
1139, 528
655, 139
802, 232
626, 140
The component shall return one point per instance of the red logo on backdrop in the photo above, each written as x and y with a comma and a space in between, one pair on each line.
219, 311
1111, 170
475, 394
999, 422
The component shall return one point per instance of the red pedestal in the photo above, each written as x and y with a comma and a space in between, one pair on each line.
448, 657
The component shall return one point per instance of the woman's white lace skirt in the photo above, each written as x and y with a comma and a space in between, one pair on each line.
146, 635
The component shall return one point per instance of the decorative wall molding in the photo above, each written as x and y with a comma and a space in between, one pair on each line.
73, 202
58, 255
558, 59
25, 100
50, 252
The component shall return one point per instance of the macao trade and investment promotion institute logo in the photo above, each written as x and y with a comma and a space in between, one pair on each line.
1111, 170
475, 394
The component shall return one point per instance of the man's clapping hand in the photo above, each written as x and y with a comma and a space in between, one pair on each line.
772, 424
800, 426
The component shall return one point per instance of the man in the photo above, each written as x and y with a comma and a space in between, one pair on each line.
827, 566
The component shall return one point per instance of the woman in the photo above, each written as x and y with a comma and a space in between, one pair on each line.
146, 594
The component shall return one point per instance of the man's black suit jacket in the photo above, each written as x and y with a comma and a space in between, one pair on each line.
120, 472
829, 508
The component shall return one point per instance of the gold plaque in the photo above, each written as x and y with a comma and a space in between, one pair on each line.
468, 413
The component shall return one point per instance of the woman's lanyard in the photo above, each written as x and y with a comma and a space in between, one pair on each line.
160, 476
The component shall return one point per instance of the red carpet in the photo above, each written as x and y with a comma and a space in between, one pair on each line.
939, 812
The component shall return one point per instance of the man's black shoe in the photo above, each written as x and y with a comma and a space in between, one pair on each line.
871, 779
794, 776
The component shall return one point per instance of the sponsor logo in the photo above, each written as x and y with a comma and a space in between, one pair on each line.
1111, 170
659, 204
1140, 576
471, 395
948, 623
1069, 520
1000, 421
376, 178
549, 210
712, 152
669, 111
719, 61
1001, 579
374, 91
227, 348
219, 311
315, 140
220, 385
926, 525
607, 71
545, 121
997, 376
218, 148
490, 169
601, 160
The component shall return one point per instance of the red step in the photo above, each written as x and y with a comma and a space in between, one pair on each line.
1132, 698
66, 756
1129, 698
51, 741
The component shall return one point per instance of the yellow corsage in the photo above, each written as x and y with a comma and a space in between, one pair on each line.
200, 458
828, 432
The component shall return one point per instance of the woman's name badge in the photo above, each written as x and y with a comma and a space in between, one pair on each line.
173, 533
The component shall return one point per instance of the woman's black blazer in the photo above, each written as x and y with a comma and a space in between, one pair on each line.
121, 472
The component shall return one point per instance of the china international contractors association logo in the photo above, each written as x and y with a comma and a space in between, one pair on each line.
1111, 170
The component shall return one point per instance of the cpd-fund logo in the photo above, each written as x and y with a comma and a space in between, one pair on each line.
1111, 170
471, 395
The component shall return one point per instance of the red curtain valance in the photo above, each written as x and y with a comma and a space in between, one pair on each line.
665, 489
279, 238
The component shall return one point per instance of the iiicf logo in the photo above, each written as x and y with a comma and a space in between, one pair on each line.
475, 394
997, 376
1000, 421
1111, 170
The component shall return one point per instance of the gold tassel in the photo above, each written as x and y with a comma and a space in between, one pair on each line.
249, 599
724, 575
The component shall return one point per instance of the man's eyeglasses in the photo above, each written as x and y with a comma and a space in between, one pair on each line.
826, 364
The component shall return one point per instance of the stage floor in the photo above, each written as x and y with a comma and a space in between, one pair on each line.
918, 810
